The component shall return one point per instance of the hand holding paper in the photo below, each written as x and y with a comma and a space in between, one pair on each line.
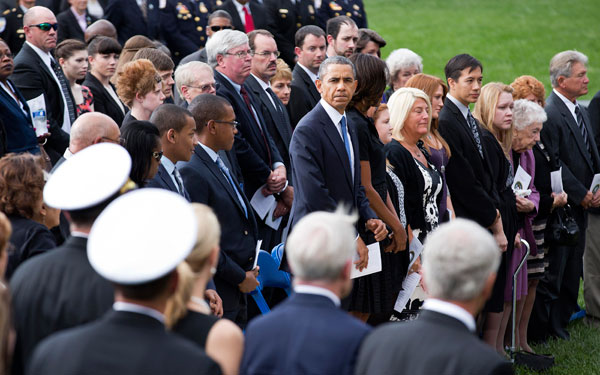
374, 259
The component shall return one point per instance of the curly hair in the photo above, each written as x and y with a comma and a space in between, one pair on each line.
21, 184
283, 71
523, 86
137, 77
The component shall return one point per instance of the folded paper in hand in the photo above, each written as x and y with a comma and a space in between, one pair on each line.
374, 264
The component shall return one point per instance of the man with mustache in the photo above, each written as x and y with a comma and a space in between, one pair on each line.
264, 66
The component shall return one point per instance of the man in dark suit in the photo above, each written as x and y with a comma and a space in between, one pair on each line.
459, 273
38, 73
177, 128
259, 160
468, 173
349, 8
247, 15
287, 16
73, 22
209, 180
324, 155
308, 333
310, 49
131, 338
13, 33
569, 137
217, 21
133, 17
59, 289
264, 67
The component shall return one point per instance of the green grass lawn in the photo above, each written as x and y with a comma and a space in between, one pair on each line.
510, 37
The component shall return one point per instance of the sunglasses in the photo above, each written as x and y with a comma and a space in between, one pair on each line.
157, 155
232, 123
219, 28
46, 26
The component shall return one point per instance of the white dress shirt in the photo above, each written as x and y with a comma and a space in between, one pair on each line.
240, 10
450, 309
570, 105
47, 59
265, 86
336, 117
312, 75
461, 107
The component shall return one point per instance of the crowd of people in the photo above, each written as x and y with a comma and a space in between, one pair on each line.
150, 148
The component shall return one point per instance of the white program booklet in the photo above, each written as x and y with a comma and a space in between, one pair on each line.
262, 204
408, 287
374, 264
595, 184
556, 181
522, 180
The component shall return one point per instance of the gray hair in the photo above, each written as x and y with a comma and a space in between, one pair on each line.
335, 60
187, 74
321, 244
221, 42
526, 113
403, 58
562, 64
458, 258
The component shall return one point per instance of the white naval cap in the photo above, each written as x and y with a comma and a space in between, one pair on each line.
142, 236
88, 178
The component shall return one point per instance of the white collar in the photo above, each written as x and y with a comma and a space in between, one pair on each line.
333, 113
75, 233
461, 107
262, 83
240, 7
311, 289
570, 105
312, 75
213, 155
45, 56
168, 164
68, 154
450, 309
24, 9
132, 307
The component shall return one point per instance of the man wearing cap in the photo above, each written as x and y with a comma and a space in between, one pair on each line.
59, 289
209, 180
131, 338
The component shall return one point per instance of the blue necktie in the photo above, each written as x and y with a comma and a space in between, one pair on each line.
346, 143
225, 171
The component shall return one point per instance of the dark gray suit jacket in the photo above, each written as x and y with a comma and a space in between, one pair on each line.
433, 344
304, 95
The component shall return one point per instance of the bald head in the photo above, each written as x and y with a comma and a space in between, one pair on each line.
35, 13
91, 128
100, 27
42, 39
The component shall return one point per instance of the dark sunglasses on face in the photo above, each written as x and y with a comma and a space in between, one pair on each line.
219, 28
157, 155
46, 26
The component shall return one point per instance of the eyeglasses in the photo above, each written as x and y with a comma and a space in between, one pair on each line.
118, 141
157, 155
232, 123
46, 26
242, 54
219, 28
268, 53
9, 55
205, 88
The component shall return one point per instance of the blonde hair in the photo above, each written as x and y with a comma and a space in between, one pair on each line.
209, 234
177, 304
485, 111
400, 105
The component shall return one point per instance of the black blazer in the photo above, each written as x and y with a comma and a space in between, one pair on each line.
435, 343
320, 168
103, 101
469, 177
259, 15
286, 19
20, 135
162, 180
354, 9
55, 291
127, 17
250, 148
33, 78
563, 139
278, 125
206, 184
120, 343
303, 97
68, 27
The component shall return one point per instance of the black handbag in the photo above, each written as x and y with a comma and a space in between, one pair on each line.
562, 229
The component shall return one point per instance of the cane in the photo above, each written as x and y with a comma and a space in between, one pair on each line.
513, 349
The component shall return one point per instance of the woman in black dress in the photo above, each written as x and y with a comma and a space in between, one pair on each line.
187, 311
375, 293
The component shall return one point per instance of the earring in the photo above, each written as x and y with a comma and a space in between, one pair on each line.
213, 270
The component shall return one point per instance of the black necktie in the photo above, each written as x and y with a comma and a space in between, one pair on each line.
65, 88
582, 128
246, 98
285, 127
474, 130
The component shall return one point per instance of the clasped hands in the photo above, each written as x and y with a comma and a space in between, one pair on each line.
380, 231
